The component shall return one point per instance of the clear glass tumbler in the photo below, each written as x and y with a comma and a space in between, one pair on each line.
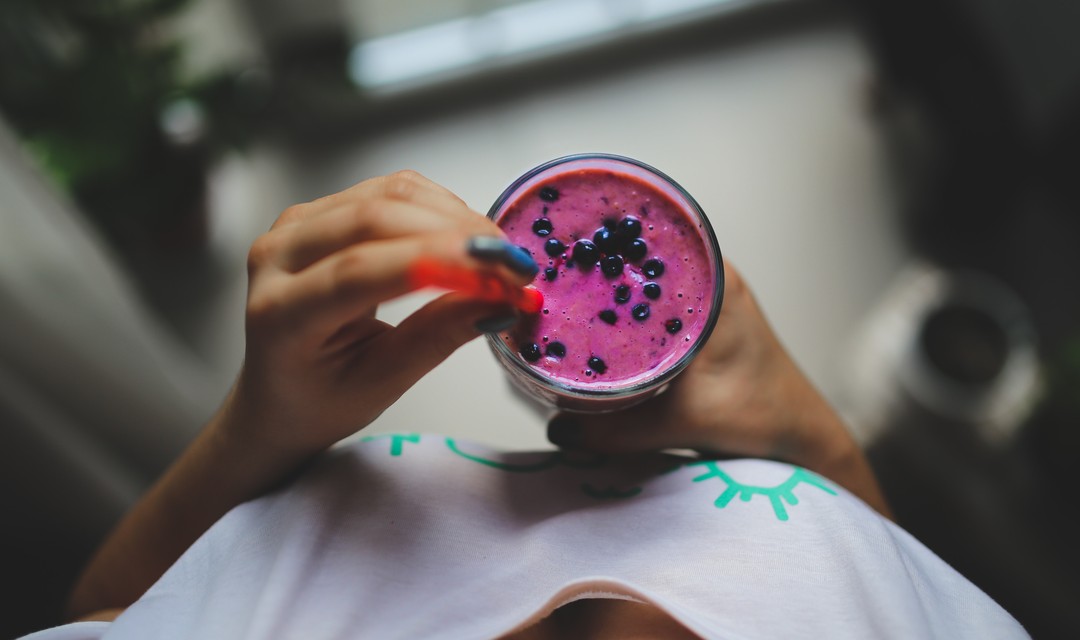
632, 276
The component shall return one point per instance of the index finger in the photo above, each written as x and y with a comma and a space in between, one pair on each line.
352, 282
369, 220
404, 186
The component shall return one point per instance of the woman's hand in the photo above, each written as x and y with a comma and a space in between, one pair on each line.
319, 365
744, 396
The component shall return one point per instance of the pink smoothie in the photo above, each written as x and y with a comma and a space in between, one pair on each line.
628, 280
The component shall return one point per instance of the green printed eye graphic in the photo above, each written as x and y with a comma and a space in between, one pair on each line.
397, 440
778, 495
602, 487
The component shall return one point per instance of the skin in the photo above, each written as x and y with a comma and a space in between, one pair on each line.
605, 620
315, 371
742, 396
315, 367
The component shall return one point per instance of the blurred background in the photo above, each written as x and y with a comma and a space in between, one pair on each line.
898, 180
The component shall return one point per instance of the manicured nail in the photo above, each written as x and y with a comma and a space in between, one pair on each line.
491, 249
487, 248
564, 431
497, 323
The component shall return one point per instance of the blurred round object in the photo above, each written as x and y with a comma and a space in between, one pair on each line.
184, 122
959, 345
965, 344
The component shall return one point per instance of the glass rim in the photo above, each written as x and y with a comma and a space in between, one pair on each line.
718, 288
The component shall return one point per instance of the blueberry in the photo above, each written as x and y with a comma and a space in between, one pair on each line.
611, 266
608, 316
606, 241
653, 268
630, 227
673, 326
610, 223
531, 352
635, 249
554, 247
597, 365
622, 294
550, 274
586, 253
640, 311
556, 350
542, 227
549, 194
652, 290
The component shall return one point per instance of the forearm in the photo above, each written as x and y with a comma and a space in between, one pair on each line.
218, 471
825, 446
846, 464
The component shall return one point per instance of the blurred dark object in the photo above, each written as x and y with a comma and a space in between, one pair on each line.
994, 87
95, 90
306, 48
965, 344
948, 378
981, 102
989, 512
1054, 432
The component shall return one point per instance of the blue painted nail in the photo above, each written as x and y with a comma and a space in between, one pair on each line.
487, 248
521, 261
491, 249
497, 323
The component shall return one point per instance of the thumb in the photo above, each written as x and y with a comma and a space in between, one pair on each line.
645, 427
427, 337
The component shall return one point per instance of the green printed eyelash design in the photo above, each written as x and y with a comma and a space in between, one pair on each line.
397, 440
778, 495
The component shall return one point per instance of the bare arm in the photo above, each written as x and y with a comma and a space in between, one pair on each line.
743, 395
217, 472
318, 365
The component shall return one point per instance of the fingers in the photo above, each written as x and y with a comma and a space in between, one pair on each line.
380, 208
410, 185
430, 335
356, 222
407, 187
403, 186
350, 283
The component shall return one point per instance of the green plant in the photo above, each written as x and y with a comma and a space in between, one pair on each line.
85, 84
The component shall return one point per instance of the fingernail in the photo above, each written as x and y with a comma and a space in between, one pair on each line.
521, 260
492, 249
564, 431
487, 248
496, 323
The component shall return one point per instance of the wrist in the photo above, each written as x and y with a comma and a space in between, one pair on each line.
826, 447
245, 429
819, 438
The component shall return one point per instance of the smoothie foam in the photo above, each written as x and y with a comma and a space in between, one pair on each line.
628, 279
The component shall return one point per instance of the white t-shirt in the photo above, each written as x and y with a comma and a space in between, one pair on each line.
414, 536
